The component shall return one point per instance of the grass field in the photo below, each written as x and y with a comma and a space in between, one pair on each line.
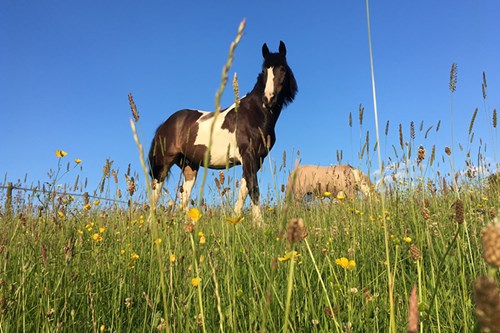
69, 265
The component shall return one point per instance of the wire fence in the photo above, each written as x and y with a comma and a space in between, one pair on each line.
10, 188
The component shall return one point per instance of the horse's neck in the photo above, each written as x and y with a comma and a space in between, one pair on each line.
252, 103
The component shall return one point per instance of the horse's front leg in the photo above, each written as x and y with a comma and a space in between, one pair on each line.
249, 185
189, 179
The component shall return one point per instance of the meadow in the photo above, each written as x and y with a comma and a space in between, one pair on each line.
71, 261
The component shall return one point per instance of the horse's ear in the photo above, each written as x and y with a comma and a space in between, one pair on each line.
282, 48
265, 50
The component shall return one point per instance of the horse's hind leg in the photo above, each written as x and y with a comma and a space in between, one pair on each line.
189, 179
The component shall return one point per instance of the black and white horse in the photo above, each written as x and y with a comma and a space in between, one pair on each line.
242, 135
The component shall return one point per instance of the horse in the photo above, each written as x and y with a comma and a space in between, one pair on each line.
316, 180
243, 134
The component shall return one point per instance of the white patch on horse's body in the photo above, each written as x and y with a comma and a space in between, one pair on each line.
224, 146
269, 88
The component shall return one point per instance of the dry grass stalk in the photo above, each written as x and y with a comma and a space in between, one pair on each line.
447, 150
236, 90
453, 77
433, 155
401, 143
487, 304
420, 154
495, 118
133, 108
412, 130
386, 127
484, 86
413, 311
361, 112
471, 125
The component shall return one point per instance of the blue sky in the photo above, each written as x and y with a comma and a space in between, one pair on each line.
67, 67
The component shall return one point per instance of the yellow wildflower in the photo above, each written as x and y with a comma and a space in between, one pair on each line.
234, 220
289, 255
158, 241
87, 207
79, 232
407, 239
97, 237
340, 196
346, 263
194, 214
102, 230
134, 256
61, 153
203, 240
195, 282
60, 214
172, 258
96, 202
78, 161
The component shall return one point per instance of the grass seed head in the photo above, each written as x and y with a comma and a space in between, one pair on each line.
491, 244
487, 303
459, 211
415, 252
296, 231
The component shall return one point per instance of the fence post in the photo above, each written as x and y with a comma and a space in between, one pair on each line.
8, 201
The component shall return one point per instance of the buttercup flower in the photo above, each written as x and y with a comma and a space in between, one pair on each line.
195, 282
194, 214
289, 255
61, 153
78, 161
346, 263
97, 237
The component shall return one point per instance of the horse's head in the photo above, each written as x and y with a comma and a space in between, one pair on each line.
280, 86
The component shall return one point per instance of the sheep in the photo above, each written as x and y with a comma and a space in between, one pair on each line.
316, 180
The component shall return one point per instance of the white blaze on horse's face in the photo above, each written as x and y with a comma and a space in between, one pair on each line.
269, 88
